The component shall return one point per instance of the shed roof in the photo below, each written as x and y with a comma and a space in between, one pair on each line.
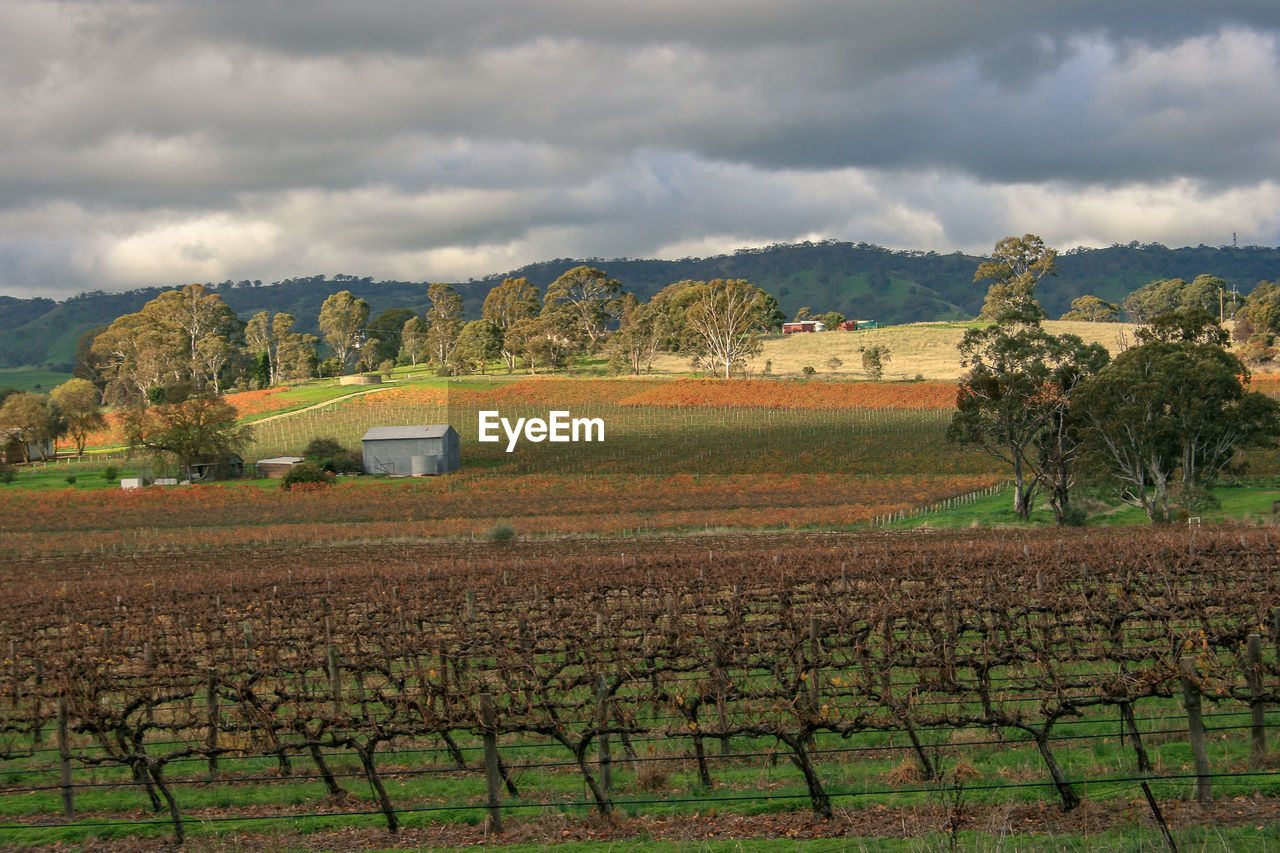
281, 460
394, 432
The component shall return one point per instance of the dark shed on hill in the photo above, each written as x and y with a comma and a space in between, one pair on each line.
411, 450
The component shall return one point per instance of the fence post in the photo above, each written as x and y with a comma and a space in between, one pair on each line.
37, 731
492, 770
64, 760
1257, 709
211, 709
606, 759
335, 672
1195, 727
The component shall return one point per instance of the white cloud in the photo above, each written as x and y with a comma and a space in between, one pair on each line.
197, 249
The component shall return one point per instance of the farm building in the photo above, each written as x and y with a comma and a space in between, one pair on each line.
277, 466
411, 450
803, 326
858, 325
228, 468
12, 448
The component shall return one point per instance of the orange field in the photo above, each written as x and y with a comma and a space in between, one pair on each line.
461, 505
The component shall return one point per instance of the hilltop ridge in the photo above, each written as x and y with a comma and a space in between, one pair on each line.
857, 279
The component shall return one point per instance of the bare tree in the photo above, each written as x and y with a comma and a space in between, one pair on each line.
727, 320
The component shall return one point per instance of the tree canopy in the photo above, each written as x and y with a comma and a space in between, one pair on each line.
343, 318
187, 429
1167, 417
1014, 403
587, 300
726, 322
1016, 265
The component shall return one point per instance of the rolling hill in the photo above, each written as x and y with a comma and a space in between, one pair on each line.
857, 279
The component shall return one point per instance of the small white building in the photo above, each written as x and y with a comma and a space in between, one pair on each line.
277, 466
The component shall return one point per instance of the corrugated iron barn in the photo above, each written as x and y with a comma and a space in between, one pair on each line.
415, 451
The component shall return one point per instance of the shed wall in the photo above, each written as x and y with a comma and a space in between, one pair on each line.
395, 455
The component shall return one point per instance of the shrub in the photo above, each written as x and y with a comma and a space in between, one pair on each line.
808, 370
500, 532
110, 473
71, 479
331, 456
874, 358
6, 473
306, 473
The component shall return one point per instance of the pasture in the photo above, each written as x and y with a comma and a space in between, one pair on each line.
924, 350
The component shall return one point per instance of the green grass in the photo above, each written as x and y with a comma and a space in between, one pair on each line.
32, 379
443, 794
308, 394
1237, 503
1207, 840
88, 475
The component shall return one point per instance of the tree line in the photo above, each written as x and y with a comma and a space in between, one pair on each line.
190, 337
167, 365
1159, 423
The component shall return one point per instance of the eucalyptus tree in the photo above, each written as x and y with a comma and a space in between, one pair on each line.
343, 318
78, 402
726, 322
1015, 267
507, 304
444, 322
588, 300
1014, 404
1168, 417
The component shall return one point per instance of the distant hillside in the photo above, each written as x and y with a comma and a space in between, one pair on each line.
859, 280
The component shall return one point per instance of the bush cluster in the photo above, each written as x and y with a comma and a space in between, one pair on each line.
306, 473
331, 456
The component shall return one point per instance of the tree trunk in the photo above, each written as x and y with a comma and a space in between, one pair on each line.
384, 802
330, 783
1070, 799
800, 757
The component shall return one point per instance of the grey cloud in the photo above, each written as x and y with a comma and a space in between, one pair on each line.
463, 132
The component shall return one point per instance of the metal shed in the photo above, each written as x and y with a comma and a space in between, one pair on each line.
411, 450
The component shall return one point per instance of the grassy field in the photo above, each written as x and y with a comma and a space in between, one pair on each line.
925, 350
31, 379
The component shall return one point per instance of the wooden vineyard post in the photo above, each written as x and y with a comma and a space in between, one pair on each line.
64, 761
1275, 631
13, 656
1195, 726
606, 759
37, 730
1257, 709
211, 709
815, 658
722, 690
492, 770
335, 673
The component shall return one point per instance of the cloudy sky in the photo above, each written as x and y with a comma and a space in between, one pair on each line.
160, 143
